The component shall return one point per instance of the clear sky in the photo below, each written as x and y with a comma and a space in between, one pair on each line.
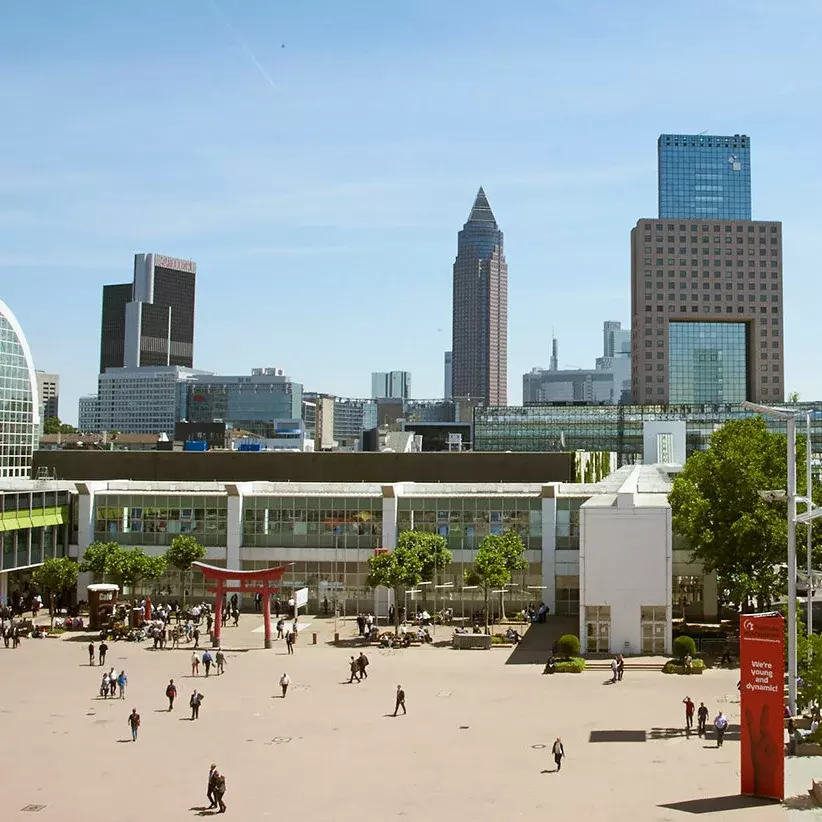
318, 158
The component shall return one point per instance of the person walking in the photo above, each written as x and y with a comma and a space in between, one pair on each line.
289, 642
559, 753
354, 666
194, 703
103, 652
219, 658
400, 703
701, 719
105, 686
112, 682
134, 723
90, 653
285, 681
614, 669
277, 608
362, 661
171, 693
122, 681
689, 713
219, 790
361, 624
620, 667
280, 624
195, 664
210, 789
258, 600
196, 634
721, 725
207, 660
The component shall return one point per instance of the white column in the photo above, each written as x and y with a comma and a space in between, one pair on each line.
549, 546
234, 528
4, 588
669, 579
389, 515
85, 527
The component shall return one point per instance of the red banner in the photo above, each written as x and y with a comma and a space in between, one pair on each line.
762, 704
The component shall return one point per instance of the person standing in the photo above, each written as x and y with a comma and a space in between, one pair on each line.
689, 713
207, 660
196, 634
210, 789
614, 669
285, 681
194, 703
219, 790
219, 658
103, 652
90, 653
289, 642
354, 666
361, 624
195, 664
258, 598
105, 686
112, 682
362, 661
134, 723
721, 725
277, 608
701, 718
122, 681
559, 753
400, 703
620, 667
171, 693
280, 624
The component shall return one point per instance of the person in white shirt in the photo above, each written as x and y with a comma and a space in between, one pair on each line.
285, 681
614, 669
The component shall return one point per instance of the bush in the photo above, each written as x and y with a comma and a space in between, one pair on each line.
674, 666
575, 665
684, 645
498, 639
568, 646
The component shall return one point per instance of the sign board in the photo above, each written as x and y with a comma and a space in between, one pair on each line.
762, 704
301, 596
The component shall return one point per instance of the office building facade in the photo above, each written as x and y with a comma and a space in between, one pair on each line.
20, 420
616, 340
150, 321
390, 385
703, 176
567, 385
48, 392
480, 309
706, 305
448, 375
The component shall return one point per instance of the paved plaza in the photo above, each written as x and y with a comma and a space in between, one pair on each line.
474, 745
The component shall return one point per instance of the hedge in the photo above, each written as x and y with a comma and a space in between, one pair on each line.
684, 645
673, 666
574, 665
568, 646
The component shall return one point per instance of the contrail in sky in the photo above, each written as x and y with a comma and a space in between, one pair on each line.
246, 48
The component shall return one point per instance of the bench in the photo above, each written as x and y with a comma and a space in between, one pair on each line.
480, 642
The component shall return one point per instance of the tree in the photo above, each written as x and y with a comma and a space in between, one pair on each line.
398, 569
130, 566
793, 396
432, 550
55, 576
52, 425
97, 557
717, 506
184, 550
498, 556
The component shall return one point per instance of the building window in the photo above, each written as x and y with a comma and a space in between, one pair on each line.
598, 629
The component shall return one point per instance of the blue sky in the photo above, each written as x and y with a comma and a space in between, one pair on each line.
320, 185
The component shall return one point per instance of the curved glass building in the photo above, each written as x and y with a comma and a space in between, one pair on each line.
19, 404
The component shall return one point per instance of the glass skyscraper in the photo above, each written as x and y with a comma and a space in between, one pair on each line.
704, 176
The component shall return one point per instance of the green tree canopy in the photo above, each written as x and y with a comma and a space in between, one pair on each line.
498, 556
130, 566
183, 551
96, 559
398, 569
432, 549
55, 576
717, 506
52, 425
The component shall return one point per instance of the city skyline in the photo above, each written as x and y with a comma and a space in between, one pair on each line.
266, 203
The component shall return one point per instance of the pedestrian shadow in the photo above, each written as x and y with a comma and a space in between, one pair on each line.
124, 740
161, 711
717, 804
609, 682
732, 734
552, 770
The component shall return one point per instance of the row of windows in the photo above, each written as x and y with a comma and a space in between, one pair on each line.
705, 227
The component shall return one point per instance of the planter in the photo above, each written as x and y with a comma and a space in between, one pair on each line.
808, 749
668, 668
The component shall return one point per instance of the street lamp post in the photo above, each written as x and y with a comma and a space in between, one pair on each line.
808, 508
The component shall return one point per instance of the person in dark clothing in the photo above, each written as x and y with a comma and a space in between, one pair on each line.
362, 662
195, 702
361, 624
211, 783
103, 652
354, 667
196, 634
258, 600
620, 667
277, 607
219, 790
559, 753
134, 723
207, 660
400, 703
289, 642
90, 652
701, 718
171, 693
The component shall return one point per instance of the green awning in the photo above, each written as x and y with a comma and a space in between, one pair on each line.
38, 518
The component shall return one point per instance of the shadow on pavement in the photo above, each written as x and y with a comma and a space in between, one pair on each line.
535, 646
716, 804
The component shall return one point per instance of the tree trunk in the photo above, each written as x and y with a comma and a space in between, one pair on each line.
486, 609
396, 613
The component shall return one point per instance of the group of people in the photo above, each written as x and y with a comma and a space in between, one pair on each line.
358, 668
111, 682
289, 634
218, 660
720, 722
18, 604
617, 668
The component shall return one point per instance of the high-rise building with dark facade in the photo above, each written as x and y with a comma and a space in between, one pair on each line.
704, 176
480, 309
150, 321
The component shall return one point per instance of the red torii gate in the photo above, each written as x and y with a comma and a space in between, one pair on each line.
256, 581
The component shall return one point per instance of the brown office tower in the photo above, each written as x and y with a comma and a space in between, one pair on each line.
706, 305
480, 309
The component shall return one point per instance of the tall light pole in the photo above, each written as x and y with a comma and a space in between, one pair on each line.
808, 509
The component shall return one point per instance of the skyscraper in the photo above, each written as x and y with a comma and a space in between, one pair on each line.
48, 390
706, 282
150, 321
704, 176
390, 384
480, 309
448, 377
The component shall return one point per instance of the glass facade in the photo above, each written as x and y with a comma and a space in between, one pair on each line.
19, 399
568, 523
33, 527
704, 176
152, 519
707, 362
316, 522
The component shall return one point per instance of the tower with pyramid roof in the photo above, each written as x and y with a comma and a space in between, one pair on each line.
480, 309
